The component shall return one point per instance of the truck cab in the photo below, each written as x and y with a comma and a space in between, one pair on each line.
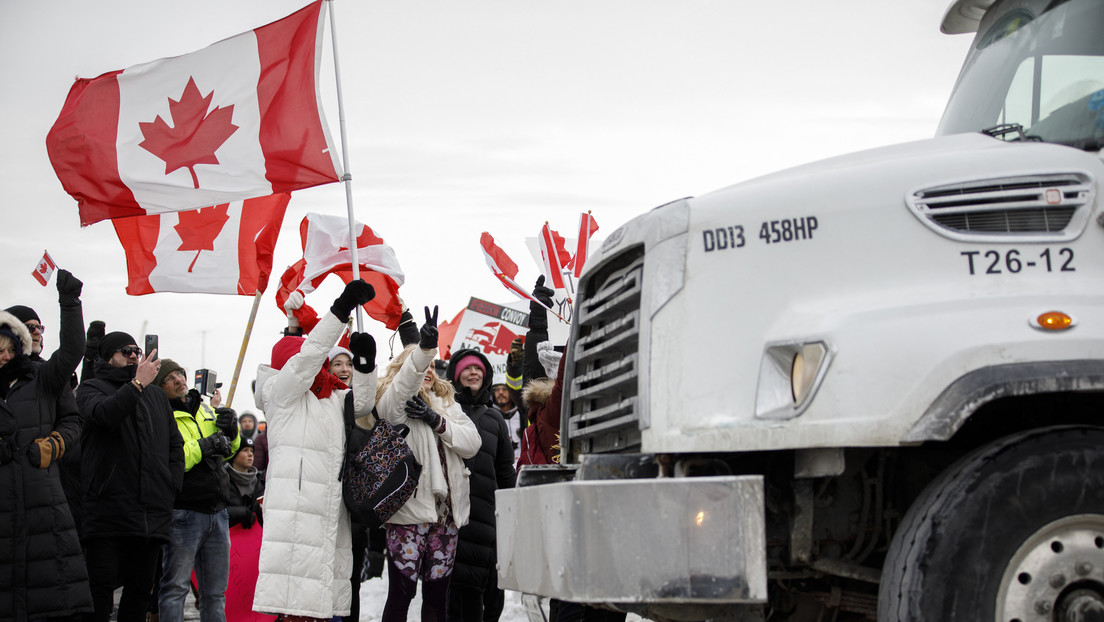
868, 387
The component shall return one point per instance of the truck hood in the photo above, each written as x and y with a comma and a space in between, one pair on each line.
845, 252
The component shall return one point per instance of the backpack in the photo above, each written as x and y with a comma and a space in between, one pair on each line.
379, 473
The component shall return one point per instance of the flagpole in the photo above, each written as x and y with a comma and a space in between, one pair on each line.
245, 343
347, 177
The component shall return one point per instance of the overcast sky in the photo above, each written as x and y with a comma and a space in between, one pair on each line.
481, 115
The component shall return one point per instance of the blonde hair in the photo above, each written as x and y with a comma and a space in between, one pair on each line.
440, 388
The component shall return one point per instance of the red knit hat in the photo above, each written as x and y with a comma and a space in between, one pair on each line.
284, 349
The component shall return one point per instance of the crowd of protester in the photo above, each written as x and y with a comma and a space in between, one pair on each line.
131, 479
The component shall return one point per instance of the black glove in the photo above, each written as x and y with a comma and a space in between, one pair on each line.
215, 445
363, 347
416, 408
356, 293
227, 422
428, 333
515, 358
373, 566
191, 401
408, 328
92, 340
538, 315
68, 286
252, 515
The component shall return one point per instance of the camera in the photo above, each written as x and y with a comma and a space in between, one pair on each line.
151, 345
206, 382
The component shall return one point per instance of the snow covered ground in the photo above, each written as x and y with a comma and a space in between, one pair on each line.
374, 593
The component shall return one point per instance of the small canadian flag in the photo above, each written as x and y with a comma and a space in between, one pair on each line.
45, 269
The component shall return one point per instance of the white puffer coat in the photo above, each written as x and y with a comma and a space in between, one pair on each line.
460, 436
306, 549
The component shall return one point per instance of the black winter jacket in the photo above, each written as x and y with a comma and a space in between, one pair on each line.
42, 571
239, 505
491, 469
132, 462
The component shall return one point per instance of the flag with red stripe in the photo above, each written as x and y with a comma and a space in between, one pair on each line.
587, 228
236, 120
504, 268
553, 255
45, 268
222, 249
326, 251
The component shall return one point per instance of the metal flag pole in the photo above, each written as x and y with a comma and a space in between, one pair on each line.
244, 345
347, 177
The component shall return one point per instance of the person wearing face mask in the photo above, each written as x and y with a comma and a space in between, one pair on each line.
132, 467
474, 595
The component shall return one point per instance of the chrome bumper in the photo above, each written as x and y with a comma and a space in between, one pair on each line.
676, 540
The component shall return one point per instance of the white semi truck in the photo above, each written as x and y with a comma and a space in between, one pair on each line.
871, 387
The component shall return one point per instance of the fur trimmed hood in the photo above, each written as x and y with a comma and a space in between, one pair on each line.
537, 391
11, 324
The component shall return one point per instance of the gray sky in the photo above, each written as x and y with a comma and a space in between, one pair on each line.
483, 115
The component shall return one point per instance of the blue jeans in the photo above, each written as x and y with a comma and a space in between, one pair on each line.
201, 541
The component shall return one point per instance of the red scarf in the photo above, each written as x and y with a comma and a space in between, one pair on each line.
325, 383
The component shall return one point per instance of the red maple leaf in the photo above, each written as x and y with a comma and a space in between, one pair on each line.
199, 228
195, 135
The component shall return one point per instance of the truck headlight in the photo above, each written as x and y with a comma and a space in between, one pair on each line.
789, 375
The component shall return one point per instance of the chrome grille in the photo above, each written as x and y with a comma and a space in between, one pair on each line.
999, 208
603, 379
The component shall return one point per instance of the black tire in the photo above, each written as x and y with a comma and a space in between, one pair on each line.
1008, 531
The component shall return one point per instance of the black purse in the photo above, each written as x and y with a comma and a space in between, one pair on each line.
379, 473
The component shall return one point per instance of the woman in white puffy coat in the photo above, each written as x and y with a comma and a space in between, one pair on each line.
421, 536
306, 549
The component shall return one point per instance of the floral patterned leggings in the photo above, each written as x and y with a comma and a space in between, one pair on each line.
425, 551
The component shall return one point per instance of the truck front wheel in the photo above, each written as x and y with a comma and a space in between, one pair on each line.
1012, 532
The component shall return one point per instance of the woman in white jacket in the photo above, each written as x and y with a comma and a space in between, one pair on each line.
421, 536
306, 549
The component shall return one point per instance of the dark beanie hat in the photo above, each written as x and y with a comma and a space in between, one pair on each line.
24, 313
168, 366
113, 341
245, 442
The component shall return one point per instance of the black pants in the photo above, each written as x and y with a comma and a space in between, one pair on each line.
471, 604
360, 542
127, 562
401, 591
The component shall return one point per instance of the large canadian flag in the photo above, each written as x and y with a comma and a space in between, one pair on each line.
326, 251
223, 249
239, 119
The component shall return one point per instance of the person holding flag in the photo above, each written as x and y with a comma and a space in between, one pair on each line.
306, 558
42, 569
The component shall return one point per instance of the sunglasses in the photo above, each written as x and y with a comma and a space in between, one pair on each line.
131, 351
40, 328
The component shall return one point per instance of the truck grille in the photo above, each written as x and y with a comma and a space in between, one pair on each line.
1036, 204
603, 380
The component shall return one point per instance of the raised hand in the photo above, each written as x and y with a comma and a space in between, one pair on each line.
356, 292
363, 347
427, 335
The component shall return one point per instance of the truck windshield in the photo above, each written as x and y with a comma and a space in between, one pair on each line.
1039, 67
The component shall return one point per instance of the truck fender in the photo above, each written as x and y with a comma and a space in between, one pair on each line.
964, 396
